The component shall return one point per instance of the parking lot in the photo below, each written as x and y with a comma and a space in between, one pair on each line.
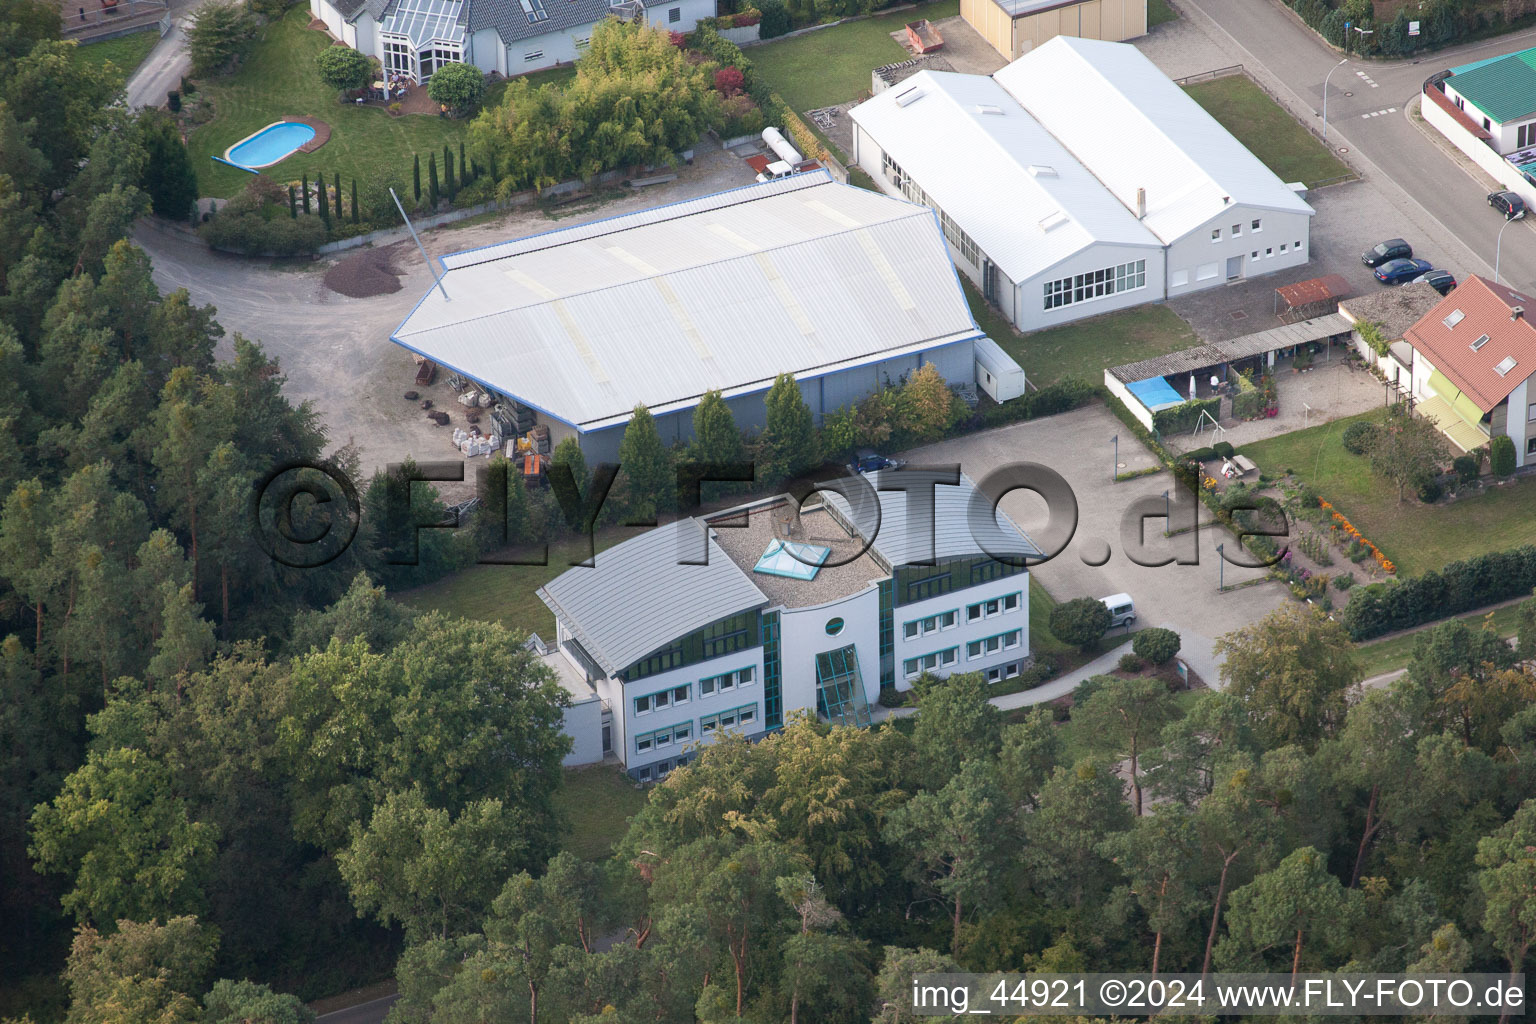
1079, 446
1350, 219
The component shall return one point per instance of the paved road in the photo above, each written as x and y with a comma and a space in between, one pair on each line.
1262, 33
372, 1012
162, 69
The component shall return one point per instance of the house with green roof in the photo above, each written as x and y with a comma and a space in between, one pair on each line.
1499, 93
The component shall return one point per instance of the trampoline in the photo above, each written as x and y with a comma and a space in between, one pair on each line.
1155, 393
795, 561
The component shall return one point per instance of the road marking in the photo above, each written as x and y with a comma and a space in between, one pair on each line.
1367, 79
1378, 113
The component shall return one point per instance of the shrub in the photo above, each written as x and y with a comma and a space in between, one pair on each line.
1358, 437
188, 87
1430, 491
1200, 455
1501, 455
253, 234
1466, 468
342, 67
729, 81
775, 19
1157, 645
1223, 449
1343, 581
1182, 418
220, 34
1131, 663
459, 87
1043, 670
1080, 622
1308, 497
173, 101
894, 698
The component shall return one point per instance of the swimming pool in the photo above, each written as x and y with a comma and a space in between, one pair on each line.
273, 143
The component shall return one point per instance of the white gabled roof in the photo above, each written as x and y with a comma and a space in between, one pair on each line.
802, 275
983, 160
1125, 119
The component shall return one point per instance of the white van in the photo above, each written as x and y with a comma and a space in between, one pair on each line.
1122, 610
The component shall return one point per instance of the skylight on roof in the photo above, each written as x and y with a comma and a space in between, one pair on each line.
902, 98
1054, 219
1042, 170
1507, 364
791, 560
1480, 342
1456, 316
535, 10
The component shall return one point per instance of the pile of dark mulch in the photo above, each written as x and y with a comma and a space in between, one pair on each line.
365, 273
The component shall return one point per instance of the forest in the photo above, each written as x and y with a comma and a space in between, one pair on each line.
232, 785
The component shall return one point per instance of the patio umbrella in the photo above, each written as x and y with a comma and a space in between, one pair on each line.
1191, 387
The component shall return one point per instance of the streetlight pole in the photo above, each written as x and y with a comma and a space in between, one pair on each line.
1499, 245
1325, 94
1114, 472
1221, 561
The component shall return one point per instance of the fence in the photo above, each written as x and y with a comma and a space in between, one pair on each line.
1210, 76
91, 21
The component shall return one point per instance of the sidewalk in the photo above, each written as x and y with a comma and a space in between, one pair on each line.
1196, 651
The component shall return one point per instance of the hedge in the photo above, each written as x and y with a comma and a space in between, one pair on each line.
1442, 22
1248, 403
1060, 397
1183, 417
1459, 587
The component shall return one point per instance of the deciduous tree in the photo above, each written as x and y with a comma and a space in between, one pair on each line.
1293, 671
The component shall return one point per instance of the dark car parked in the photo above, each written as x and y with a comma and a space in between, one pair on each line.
866, 460
1507, 203
1440, 280
1391, 249
1400, 271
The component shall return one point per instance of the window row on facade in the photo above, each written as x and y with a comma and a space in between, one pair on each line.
1096, 284
709, 686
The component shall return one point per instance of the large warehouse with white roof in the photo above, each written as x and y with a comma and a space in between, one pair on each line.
1079, 179
844, 288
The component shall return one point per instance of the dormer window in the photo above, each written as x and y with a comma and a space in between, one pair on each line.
1456, 316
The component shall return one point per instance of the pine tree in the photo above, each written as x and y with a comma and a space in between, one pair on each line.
464, 177
304, 189
293, 203
432, 180
416, 177
339, 217
325, 202
355, 217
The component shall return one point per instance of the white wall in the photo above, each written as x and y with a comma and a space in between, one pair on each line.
486, 51
1132, 403
1482, 155
363, 35
583, 723
1196, 254
1519, 422
803, 635
553, 47
963, 632
1505, 136
627, 724
328, 14
1032, 315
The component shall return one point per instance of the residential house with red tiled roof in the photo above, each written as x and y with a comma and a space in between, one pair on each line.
1473, 357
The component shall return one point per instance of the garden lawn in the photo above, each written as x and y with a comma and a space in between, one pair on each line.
1159, 12
832, 65
1273, 135
597, 801
279, 79
127, 52
1417, 537
1085, 348
506, 593
1395, 652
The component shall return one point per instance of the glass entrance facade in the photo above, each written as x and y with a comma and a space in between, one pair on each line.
840, 687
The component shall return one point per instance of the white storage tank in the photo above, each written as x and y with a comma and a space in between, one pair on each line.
779, 144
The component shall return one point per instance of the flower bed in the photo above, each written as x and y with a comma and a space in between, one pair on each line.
1342, 527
